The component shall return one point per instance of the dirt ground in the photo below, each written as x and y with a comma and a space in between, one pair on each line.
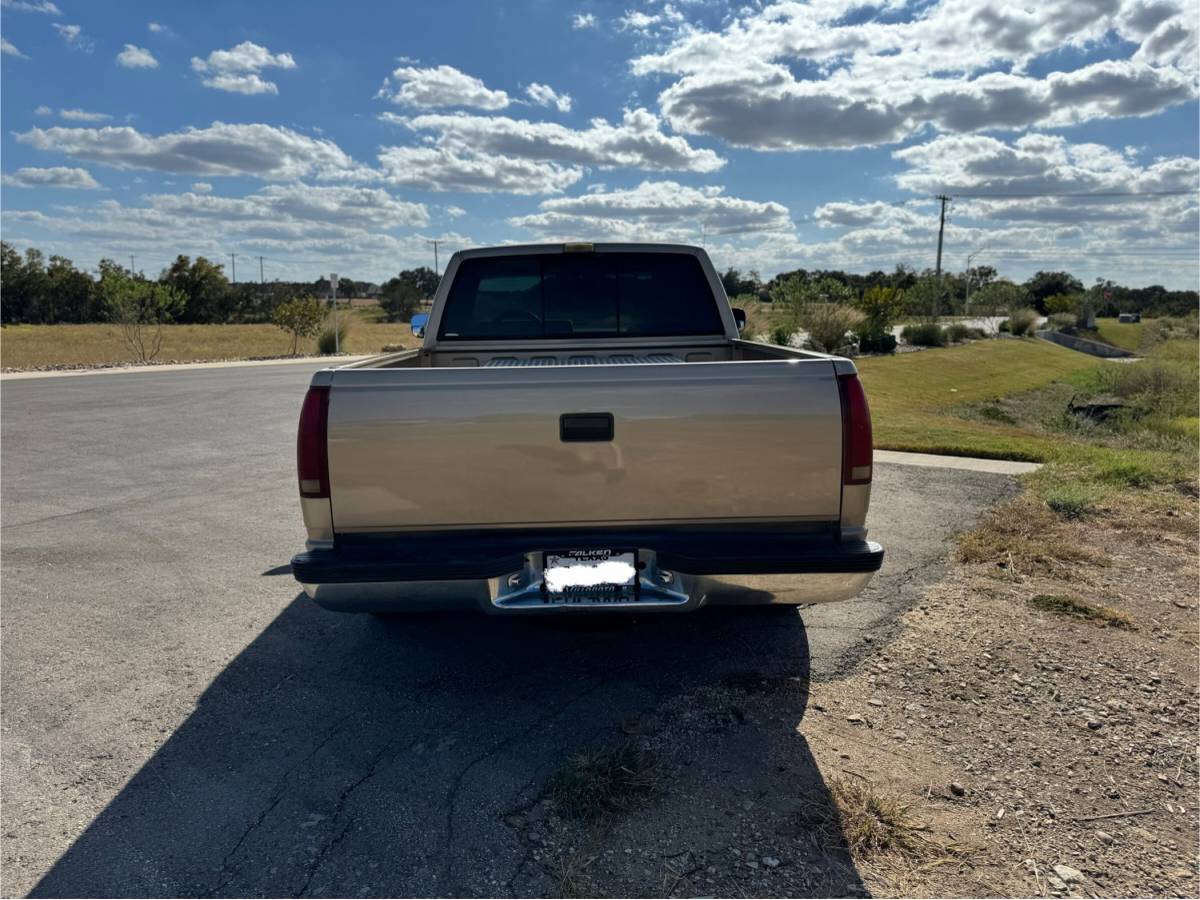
990, 748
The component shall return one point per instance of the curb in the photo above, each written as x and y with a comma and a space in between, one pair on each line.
329, 362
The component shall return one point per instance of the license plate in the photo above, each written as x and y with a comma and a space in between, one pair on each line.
589, 577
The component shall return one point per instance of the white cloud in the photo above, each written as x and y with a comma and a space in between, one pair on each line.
201, 187
83, 115
9, 50
444, 169
440, 86
56, 176
43, 110
256, 150
159, 28
637, 141
133, 57
74, 37
544, 95
37, 6
237, 70
654, 210
583, 20
794, 75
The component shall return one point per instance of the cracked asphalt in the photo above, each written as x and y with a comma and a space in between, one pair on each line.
178, 720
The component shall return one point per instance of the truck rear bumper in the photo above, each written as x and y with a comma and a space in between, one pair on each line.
680, 569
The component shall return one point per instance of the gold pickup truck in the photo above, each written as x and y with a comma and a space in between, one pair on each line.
583, 429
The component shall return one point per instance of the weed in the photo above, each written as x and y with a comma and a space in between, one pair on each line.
1081, 609
327, 343
1071, 500
870, 824
1023, 322
1022, 536
570, 874
597, 783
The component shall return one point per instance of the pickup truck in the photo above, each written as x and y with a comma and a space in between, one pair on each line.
582, 428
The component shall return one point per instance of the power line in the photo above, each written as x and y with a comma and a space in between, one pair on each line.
1059, 194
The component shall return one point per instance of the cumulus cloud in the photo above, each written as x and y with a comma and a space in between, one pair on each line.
255, 150
37, 6
637, 141
793, 75
133, 57
201, 187
9, 50
158, 28
446, 169
654, 210
55, 176
544, 95
583, 20
237, 70
74, 37
440, 86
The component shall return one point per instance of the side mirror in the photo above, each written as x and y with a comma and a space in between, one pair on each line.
418, 324
739, 318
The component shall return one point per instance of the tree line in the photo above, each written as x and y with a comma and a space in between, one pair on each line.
978, 291
40, 291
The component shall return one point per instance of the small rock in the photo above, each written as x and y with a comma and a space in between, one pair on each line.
1068, 874
855, 719
875, 702
1104, 837
957, 789
770, 862
1095, 724
1056, 884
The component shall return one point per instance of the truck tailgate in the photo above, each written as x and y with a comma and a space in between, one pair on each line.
431, 448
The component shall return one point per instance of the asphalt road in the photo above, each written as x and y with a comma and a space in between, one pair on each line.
178, 720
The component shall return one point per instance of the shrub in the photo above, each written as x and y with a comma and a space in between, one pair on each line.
957, 333
326, 344
1062, 321
977, 334
1023, 322
928, 334
882, 342
781, 335
301, 316
880, 307
1005, 327
828, 325
140, 308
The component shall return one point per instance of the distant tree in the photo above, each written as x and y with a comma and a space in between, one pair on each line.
71, 294
1047, 284
401, 296
928, 297
735, 283
301, 317
204, 287
1062, 303
140, 308
997, 299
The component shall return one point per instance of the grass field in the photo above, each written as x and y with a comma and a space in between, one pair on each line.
1127, 336
31, 346
916, 397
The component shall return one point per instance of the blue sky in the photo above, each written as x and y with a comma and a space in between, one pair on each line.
343, 137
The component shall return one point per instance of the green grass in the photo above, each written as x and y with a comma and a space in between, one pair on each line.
1126, 335
30, 346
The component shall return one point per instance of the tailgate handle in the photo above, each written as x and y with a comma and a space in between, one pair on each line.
585, 427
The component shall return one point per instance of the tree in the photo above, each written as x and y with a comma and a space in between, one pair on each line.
72, 294
880, 306
204, 287
1047, 284
1062, 303
821, 307
140, 308
401, 296
735, 283
301, 316
996, 300
928, 298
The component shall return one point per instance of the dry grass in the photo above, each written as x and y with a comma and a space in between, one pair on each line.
33, 346
869, 824
1081, 609
571, 876
596, 783
1023, 536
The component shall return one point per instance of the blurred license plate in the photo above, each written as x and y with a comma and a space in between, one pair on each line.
589, 577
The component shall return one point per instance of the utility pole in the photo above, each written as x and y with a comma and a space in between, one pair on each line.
233, 266
941, 230
261, 280
436, 269
131, 269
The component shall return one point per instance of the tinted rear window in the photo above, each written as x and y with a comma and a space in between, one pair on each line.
585, 295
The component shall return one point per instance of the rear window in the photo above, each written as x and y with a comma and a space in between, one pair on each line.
585, 295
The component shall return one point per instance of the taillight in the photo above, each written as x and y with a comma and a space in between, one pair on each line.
857, 453
312, 454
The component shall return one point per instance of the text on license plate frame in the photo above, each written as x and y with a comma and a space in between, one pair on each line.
584, 558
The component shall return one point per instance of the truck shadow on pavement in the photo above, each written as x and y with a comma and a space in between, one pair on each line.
349, 755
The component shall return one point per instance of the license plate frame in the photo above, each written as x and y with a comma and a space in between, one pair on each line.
601, 594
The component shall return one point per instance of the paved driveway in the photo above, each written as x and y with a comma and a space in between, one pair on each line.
178, 721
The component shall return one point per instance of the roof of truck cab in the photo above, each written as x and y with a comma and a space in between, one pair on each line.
597, 247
